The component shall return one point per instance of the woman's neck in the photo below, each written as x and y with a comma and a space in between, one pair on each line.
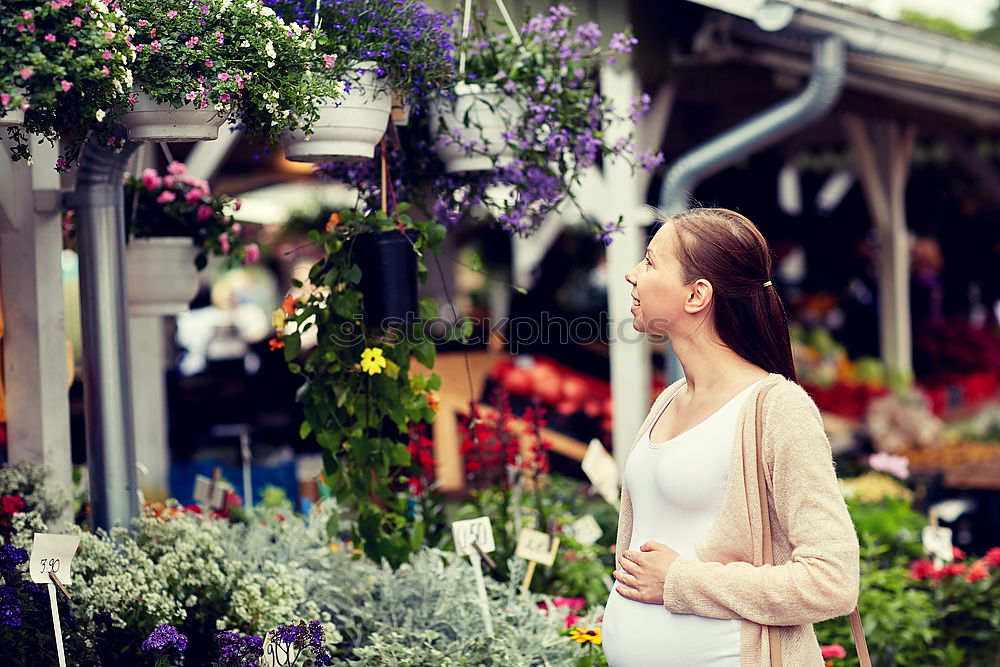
710, 366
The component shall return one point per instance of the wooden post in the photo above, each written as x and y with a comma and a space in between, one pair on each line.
882, 152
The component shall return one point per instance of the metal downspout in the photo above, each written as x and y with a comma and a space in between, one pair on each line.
763, 129
100, 238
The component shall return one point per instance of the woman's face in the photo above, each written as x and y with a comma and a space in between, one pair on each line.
658, 289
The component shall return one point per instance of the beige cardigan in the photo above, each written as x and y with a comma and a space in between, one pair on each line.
813, 537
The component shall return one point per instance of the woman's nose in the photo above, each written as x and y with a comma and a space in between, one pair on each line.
630, 276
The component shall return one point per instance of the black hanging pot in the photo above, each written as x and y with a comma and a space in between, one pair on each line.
388, 264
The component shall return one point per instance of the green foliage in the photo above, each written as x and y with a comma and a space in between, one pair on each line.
891, 523
359, 397
939, 24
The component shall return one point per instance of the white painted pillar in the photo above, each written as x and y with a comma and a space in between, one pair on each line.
34, 342
147, 355
631, 367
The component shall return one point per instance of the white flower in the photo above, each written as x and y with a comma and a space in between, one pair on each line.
270, 63
269, 49
244, 44
100, 115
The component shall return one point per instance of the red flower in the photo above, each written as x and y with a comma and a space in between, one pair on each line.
957, 553
573, 604
833, 651
979, 570
922, 569
992, 557
951, 570
12, 504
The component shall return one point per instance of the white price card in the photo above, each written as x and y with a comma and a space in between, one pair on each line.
602, 470
537, 546
478, 530
278, 653
585, 530
937, 542
205, 494
53, 553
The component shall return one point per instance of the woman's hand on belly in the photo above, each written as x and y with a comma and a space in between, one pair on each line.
641, 573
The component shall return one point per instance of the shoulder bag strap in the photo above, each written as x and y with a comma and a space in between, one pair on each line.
773, 637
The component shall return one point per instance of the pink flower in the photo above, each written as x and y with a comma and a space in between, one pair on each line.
224, 97
833, 651
21, 27
26, 73
151, 180
72, 42
209, 63
190, 96
66, 85
223, 241
77, 21
193, 195
171, 14
571, 620
4, 99
204, 213
328, 60
992, 557
176, 168
223, 76
107, 54
897, 466
109, 36
50, 37
253, 253
155, 45
27, 16
105, 71
168, 181
573, 604
133, 98
236, 228
166, 197
979, 570
138, 48
143, 23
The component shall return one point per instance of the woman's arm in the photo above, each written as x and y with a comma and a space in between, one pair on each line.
820, 580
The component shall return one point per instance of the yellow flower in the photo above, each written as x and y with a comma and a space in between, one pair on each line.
372, 361
583, 636
278, 320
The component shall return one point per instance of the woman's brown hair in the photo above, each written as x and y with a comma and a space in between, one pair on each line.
728, 250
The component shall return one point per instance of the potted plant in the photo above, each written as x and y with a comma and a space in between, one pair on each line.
199, 63
359, 398
529, 103
66, 67
174, 222
375, 51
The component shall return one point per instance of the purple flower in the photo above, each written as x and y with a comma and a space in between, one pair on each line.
621, 43
165, 638
305, 636
11, 557
239, 650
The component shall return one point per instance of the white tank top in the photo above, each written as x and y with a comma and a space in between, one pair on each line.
676, 488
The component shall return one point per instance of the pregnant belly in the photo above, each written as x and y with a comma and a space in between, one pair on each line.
638, 634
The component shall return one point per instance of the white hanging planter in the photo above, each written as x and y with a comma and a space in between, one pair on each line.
348, 129
479, 116
160, 276
154, 121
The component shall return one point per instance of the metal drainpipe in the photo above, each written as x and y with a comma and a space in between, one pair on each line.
100, 239
763, 129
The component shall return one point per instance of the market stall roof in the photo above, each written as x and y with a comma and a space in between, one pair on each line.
886, 59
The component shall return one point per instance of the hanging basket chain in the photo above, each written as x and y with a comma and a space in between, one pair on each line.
467, 20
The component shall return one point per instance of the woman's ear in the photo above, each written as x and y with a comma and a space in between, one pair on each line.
700, 296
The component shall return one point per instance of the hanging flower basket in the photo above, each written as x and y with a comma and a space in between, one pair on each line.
348, 129
160, 275
470, 128
154, 121
388, 264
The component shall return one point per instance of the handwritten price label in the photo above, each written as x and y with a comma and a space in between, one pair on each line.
537, 546
468, 531
206, 494
602, 470
585, 530
52, 553
278, 653
937, 542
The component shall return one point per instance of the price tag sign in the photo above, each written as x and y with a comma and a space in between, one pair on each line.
278, 653
206, 494
52, 553
937, 542
585, 530
602, 470
536, 546
478, 530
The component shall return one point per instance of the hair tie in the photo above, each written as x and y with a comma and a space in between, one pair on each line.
767, 284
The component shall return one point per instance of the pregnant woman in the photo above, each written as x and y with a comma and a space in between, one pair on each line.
692, 589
